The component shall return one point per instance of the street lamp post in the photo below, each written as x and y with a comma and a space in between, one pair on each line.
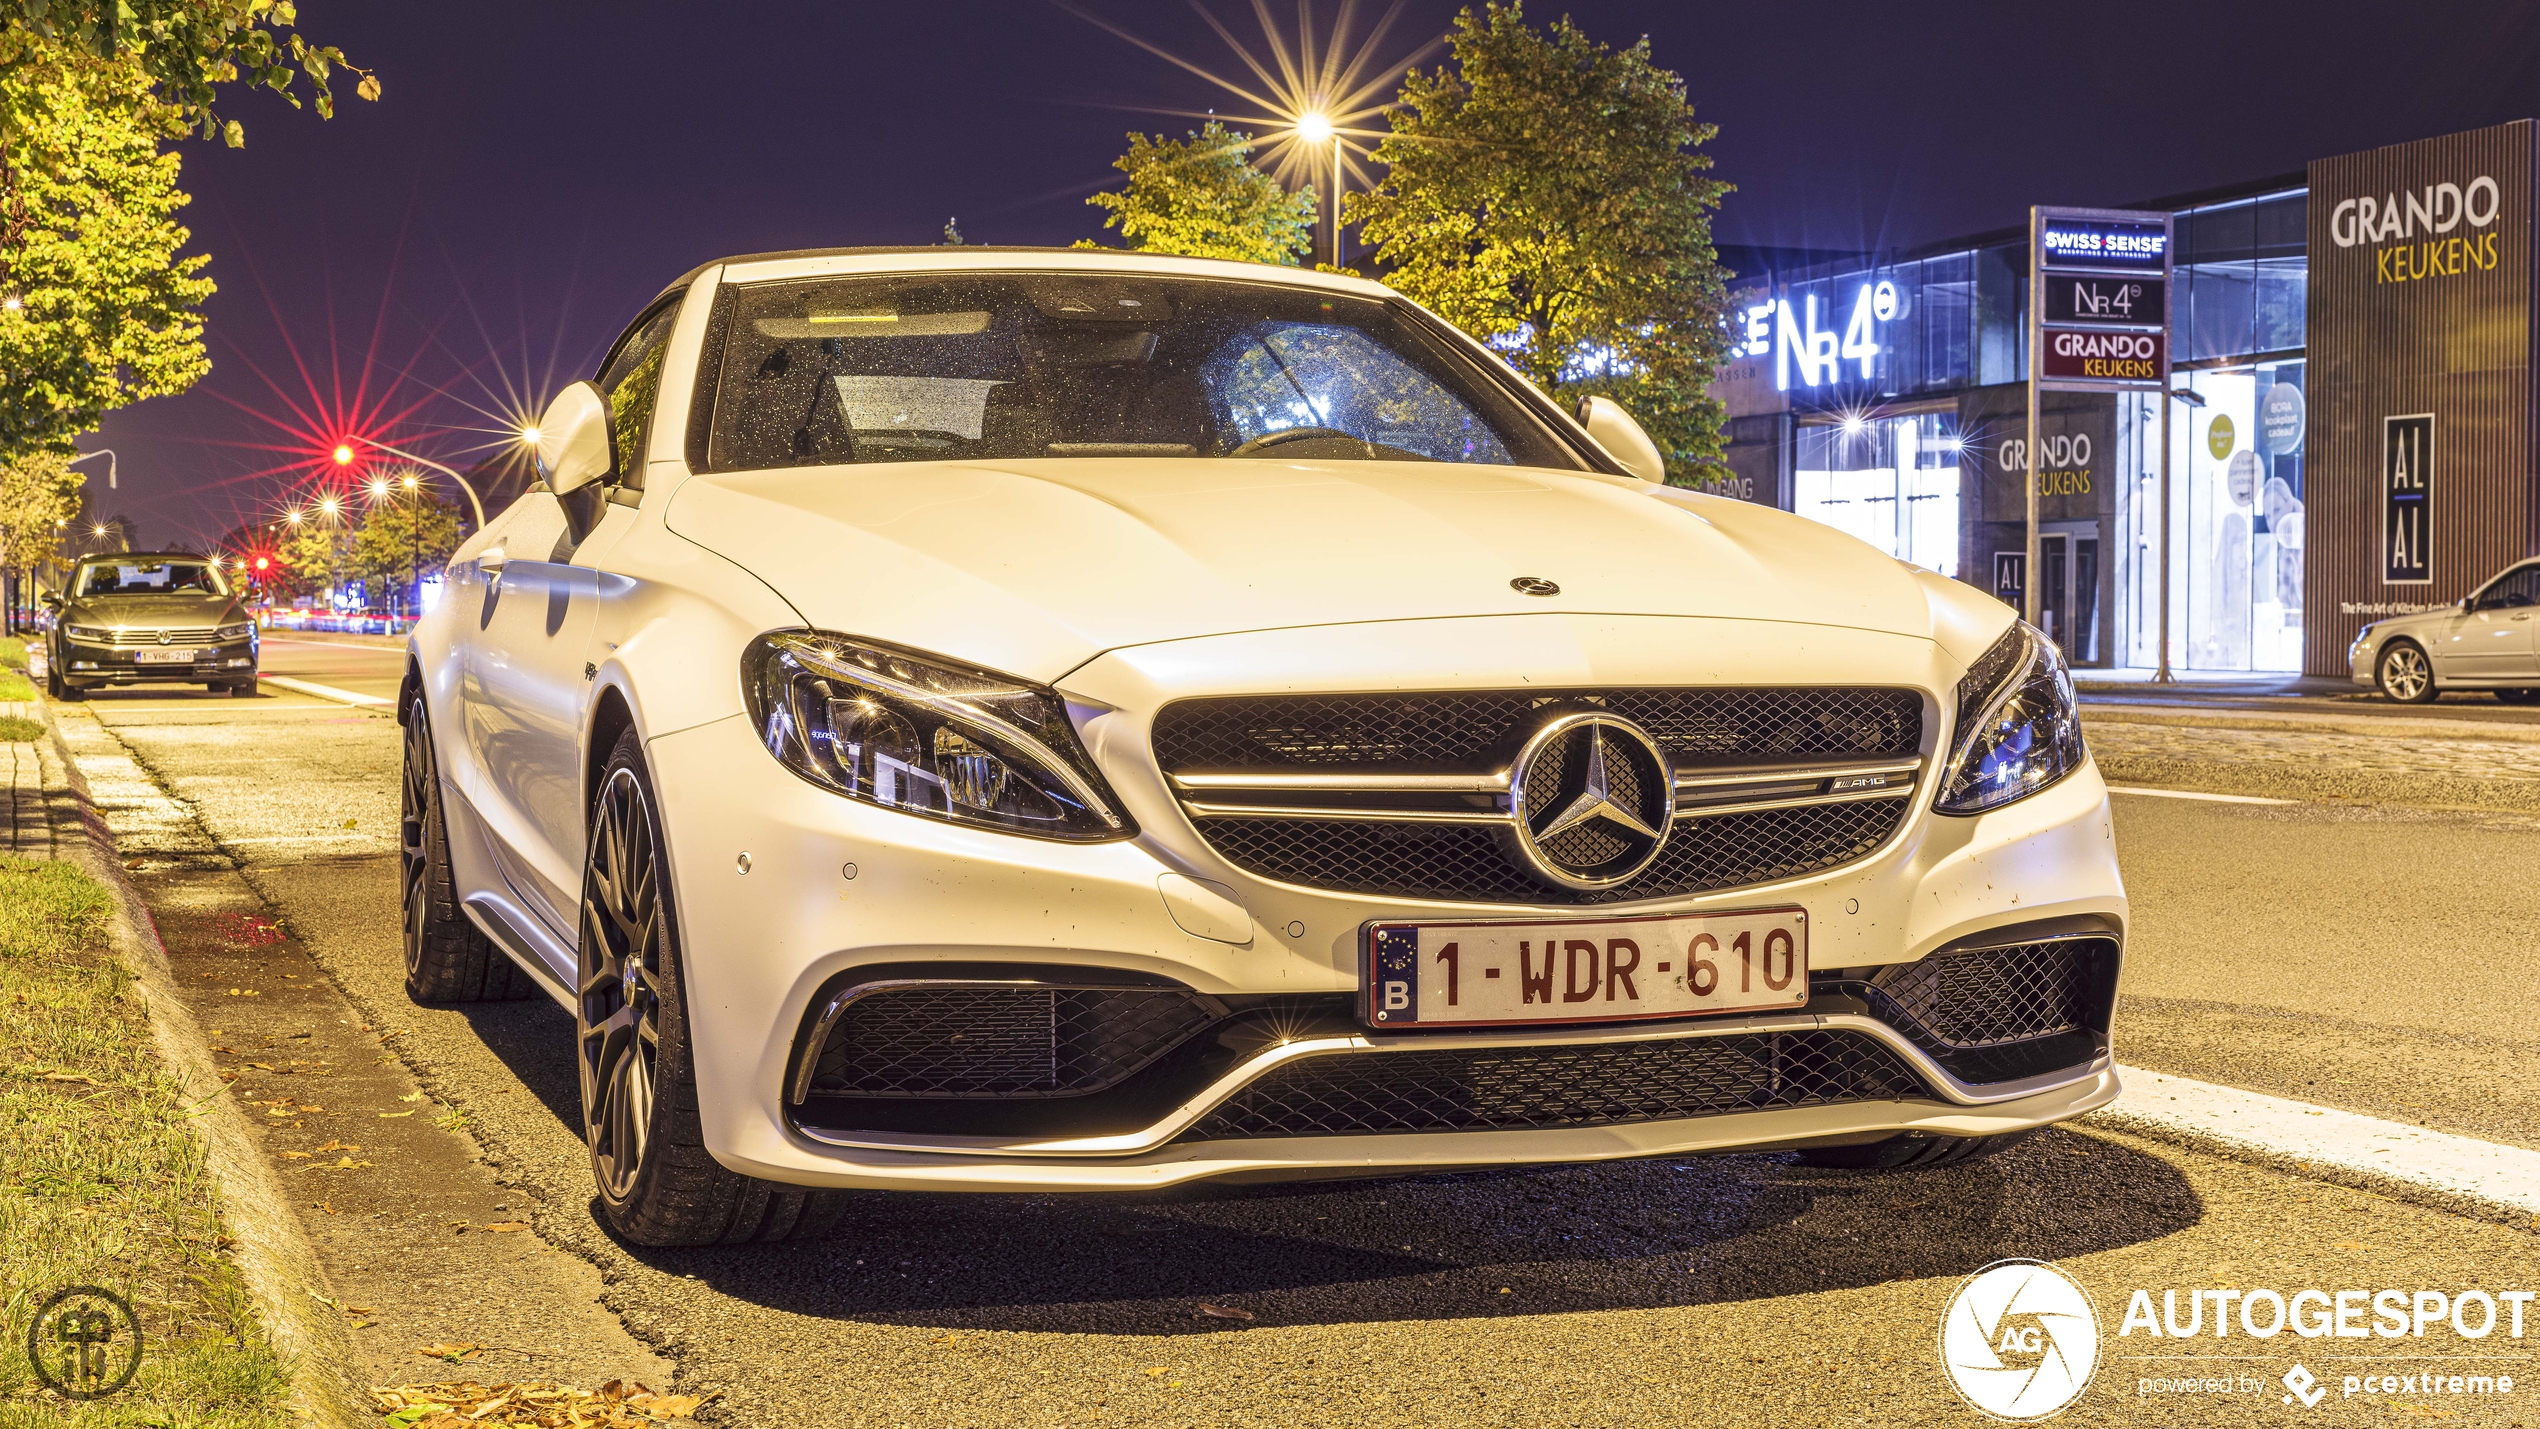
109, 454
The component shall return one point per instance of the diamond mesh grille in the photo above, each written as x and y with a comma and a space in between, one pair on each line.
1465, 862
1522, 1088
1994, 995
1000, 1042
1473, 732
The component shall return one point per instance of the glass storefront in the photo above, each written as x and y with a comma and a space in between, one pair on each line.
1891, 481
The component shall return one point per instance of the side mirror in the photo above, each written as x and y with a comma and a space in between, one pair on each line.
1622, 438
52, 601
575, 447
2468, 604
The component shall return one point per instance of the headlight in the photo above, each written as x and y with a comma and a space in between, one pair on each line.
2017, 728
240, 631
925, 736
2363, 638
96, 634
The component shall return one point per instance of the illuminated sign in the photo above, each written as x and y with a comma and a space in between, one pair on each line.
2436, 208
2079, 243
2082, 298
2103, 356
2407, 500
1803, 345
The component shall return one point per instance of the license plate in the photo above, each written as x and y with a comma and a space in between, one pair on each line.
1586, 970
166, 657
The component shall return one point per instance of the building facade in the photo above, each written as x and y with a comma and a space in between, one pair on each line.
2353, 348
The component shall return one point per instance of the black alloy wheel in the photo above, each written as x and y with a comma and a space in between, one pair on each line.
448, 958
658, 1184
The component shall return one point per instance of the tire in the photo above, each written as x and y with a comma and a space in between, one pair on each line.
657, 1183
1911, 1150
2518, 697
448, 959
243, 690
53, 685
2404, 674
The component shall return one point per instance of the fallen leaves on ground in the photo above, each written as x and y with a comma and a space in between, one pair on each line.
449, 1352
614, 1405
393, 1115
507, 1226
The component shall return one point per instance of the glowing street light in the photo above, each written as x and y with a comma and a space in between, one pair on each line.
529, 435
1314, 127
343, 455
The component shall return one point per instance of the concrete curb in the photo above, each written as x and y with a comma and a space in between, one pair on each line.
273, 1254
2308, 722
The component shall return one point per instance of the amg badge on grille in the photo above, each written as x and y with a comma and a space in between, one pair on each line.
1592, 797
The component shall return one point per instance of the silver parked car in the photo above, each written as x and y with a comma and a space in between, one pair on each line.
2483, 643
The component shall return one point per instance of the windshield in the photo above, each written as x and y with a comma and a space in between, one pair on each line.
150, 578
1002, 365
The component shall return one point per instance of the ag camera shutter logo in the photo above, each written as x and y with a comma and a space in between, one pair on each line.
2019, 1340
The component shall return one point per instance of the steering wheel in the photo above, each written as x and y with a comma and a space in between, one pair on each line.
1268, 440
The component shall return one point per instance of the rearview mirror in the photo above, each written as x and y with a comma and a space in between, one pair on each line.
1622, 438
575, 448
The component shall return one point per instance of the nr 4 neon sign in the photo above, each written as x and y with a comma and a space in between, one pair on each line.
1802, 347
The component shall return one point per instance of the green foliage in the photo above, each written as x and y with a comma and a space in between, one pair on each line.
106, 304
313, 555
1542, 192
183, 50
1202, 198
39, 491
404, 535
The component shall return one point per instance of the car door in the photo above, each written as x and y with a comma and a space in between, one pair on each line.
525, 684
2492, 640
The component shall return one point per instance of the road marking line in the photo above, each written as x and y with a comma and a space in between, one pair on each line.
272, 639
2462, 1166
326, 692
2193, 794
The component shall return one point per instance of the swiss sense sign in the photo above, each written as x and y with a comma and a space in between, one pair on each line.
2103, 356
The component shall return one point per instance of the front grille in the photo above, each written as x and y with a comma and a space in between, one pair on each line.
133, 639
1472, 732
1996, 1014
1465, 862
965, 1042
1535, 1088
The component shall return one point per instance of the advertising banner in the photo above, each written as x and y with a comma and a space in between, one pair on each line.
2105, 299
2407, 500
2131, 358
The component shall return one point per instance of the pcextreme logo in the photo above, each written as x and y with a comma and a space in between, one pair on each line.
2020, 1340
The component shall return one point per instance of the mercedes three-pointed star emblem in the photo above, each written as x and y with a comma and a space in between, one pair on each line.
1591, 798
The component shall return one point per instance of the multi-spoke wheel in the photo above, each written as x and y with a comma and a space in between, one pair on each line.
658, 1184
447, 958
2405, 674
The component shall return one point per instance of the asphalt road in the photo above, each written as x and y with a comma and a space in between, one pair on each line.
2370, 957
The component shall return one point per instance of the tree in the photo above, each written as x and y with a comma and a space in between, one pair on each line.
1542, 192
1202, 198
404, 535
101, 305
39, 494
315, 554
182, 50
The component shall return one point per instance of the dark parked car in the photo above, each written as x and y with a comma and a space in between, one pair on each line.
151, 618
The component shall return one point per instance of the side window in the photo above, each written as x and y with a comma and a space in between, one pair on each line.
632, 381
2517, 588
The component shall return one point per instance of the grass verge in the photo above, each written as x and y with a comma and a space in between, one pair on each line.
18, 729
12, 652
102, 1178
14, 688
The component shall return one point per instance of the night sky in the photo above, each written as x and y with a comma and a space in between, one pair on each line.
536, 172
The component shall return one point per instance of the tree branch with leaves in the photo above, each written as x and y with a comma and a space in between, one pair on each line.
1201, 197
1544, 193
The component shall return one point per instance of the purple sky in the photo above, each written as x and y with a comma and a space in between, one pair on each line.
535, 172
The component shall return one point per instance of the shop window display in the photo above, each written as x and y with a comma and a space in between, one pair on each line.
1891, 481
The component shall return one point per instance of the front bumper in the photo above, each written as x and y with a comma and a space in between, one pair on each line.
89, 664
834, 888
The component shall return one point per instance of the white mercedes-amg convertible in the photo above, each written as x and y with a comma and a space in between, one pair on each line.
961, 719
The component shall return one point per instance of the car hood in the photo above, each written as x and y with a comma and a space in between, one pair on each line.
1034, 567
152, 610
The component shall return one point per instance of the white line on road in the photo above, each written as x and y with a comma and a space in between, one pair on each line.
2483, 1171
2193, 794
326, 692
